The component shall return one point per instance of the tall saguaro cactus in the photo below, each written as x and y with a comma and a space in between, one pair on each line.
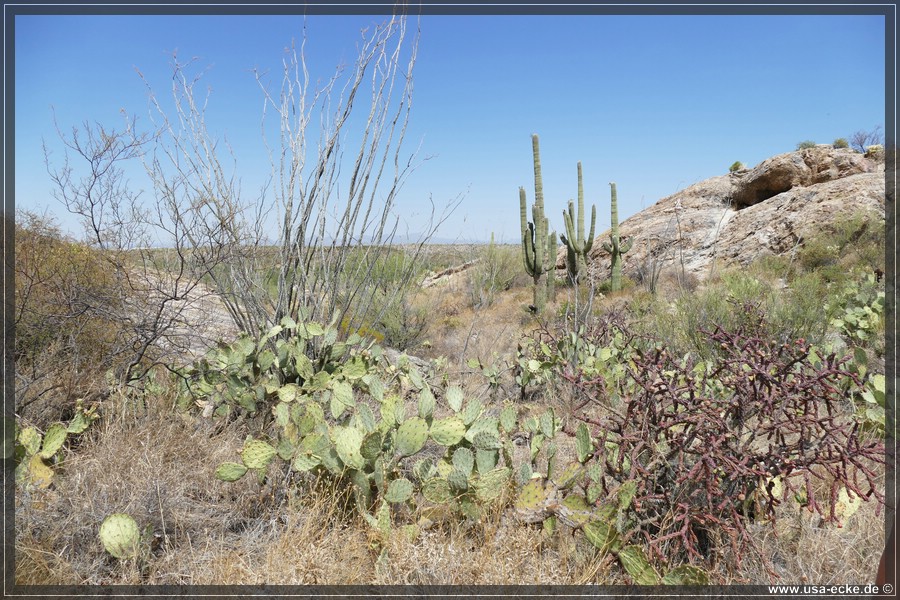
577, 246
615, 247
539, 247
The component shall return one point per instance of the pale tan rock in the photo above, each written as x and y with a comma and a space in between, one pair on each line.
700, 226
794, 169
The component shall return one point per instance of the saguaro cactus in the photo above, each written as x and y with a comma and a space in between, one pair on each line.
539, 247
615, 247
577, 246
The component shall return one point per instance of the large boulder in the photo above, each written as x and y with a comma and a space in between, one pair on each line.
706, 224
688, 220
782, 223
797, 169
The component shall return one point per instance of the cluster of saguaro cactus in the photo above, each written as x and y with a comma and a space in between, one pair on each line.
539, 246
577, 246
615, 246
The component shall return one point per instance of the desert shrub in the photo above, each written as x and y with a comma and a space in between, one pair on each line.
402, 324
875, 152
861, 140
680, 323
820, 254
792, 313
65, 342
710, 446
735, 166
497, 270
853, 242
841, 143
806, 144
799, 311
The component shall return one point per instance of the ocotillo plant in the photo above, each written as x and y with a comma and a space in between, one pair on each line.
539, 247
615, 247
577, 246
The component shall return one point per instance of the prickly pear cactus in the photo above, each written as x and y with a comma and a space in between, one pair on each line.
636, 564
399, 491
448, 431
464, 460
458, 480
411, 436
230, 471
490, 485
437, 490
257, 454
120, 536
603, 535
347, 443
535, 501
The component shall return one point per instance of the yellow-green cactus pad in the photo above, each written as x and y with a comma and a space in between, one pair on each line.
120, 535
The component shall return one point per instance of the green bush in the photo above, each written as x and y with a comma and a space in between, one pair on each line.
403, 323
806, 144
735, 166
853, 242
841, 143
65, 342
497, 270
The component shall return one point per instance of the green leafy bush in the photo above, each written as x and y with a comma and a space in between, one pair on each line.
402, 324
855, 241
496, 271
806, 144
65, 341
841, 143
735, 166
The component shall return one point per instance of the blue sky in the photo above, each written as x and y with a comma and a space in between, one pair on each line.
654, 103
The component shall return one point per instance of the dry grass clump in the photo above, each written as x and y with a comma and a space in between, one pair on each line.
802, 550
157, 469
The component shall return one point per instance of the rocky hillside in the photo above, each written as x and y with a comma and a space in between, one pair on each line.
734, 218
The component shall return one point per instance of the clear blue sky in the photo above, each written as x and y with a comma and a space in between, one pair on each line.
655, 103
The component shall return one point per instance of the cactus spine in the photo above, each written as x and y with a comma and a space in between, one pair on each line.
538, 246
577, 246
615, 247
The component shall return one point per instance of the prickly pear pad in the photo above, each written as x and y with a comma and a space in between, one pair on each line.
120, 535
447, 432
230, 471
257, 454
411, 436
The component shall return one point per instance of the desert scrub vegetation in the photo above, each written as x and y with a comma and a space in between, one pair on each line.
276, 457
496, 271
732, 433
66, 336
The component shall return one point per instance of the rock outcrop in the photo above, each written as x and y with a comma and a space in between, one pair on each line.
734, 218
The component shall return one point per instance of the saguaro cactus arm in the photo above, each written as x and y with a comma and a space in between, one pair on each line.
530, 250
615, 247
535, 238
577, 244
